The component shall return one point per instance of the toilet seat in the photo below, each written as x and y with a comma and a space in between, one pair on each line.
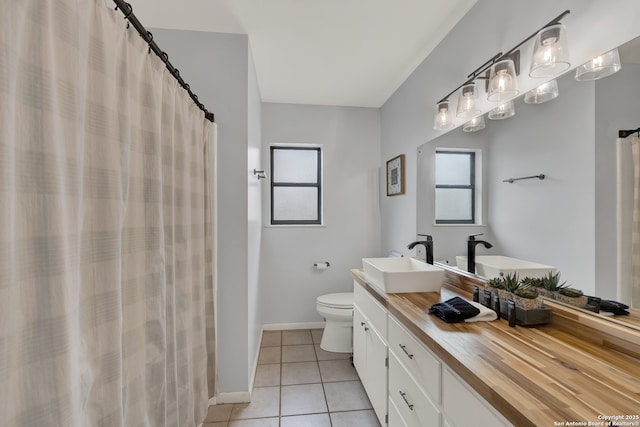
339, 300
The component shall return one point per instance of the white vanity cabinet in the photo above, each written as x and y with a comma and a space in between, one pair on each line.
370, 348
407, 384
425, 392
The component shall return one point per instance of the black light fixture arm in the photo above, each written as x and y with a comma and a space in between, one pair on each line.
626, 133
477, 73
147, 36
554, 21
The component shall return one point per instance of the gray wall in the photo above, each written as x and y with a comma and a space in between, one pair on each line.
217, 68
550, 221
254, 217
351, 144
491, 26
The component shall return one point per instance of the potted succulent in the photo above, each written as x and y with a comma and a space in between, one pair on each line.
526, 297
551, 285
572, 296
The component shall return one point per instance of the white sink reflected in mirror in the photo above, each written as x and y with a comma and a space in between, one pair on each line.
492, 266
399, 275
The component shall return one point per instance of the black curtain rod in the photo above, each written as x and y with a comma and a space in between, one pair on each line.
127, 11
626, 133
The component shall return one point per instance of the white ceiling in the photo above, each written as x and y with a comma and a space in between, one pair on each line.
323, 52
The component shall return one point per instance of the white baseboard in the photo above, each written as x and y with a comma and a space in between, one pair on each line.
235, 397
292, 326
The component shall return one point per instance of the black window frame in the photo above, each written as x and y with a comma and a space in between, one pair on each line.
471, 186
317, 184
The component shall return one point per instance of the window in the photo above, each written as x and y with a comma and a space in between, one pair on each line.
455, 187
296, 192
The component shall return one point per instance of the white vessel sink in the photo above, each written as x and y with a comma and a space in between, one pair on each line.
398, 275
491, 266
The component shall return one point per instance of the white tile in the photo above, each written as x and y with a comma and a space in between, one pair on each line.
315, 420
298, 353
346, 396
303, 399
300, 373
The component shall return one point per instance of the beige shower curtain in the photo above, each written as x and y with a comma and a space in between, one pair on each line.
106, 276
628, 223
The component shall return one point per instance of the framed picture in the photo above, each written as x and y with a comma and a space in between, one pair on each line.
395, 176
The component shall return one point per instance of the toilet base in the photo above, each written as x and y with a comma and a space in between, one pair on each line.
337, 337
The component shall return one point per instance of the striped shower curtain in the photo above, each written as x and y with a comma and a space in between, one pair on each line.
106, 243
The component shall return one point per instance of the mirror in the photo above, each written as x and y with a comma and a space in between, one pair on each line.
568, 220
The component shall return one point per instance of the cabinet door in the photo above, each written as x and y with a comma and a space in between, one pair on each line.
359, 343
456, 394
377, 373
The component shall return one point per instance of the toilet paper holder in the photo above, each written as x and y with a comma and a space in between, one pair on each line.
322, 265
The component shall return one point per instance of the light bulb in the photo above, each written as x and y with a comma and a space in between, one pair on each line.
503, 84
550, 53
443, 119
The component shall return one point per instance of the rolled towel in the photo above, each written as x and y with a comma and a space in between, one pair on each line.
486, 314
454, 310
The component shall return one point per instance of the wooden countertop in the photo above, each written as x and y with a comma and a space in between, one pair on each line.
534, 376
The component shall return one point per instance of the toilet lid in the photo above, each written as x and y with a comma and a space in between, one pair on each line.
339, 300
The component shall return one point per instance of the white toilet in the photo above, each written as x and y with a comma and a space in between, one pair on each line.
337, 309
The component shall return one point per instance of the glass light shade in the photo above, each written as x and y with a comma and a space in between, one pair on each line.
550, 52
467, 106
503, 83
474, 125
443, 119
599, 67
543, 93
504, 111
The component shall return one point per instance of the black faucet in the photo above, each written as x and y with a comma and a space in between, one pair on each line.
471, 251
428, 245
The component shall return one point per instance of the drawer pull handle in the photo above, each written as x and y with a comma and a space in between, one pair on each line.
404, 397
404, 348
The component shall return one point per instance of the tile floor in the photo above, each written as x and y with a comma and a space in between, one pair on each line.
298, 384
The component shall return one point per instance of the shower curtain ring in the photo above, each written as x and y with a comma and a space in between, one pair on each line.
130, 12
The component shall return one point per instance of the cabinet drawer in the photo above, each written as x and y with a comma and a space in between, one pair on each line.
412, 403
371, 309
477, 412
419, 361
395, 420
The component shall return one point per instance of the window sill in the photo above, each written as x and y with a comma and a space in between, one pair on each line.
459, 225
294, 225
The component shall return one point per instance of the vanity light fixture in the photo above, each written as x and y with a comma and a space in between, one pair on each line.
543, 93
504, 111
467, 107
474, 125
500, 73
503, 81
443, 120
550, 52
601, 66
